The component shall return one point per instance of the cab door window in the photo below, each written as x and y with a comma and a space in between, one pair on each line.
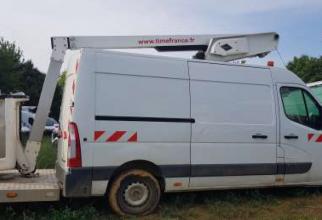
299, 106
313, 111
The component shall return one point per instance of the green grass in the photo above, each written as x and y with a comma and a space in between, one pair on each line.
48, 152
47, 155
280, 204
266, 204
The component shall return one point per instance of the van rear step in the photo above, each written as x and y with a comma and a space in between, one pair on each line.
14, 188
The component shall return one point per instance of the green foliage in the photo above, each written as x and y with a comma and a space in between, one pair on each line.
10, 66
16, 74
47, 155
309, 69
55, 107
68, 214
30, 82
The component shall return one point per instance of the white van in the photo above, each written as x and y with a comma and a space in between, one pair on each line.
134, 126
27, 119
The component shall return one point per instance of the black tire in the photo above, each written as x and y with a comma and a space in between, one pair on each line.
134, 192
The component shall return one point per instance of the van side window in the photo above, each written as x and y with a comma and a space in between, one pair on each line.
313, 110
299, 106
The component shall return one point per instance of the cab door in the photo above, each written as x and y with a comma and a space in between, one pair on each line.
300, 135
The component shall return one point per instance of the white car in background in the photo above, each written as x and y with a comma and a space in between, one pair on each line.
27, 119
316, 88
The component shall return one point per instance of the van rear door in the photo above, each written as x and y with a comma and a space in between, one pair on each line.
66, 107
234, 134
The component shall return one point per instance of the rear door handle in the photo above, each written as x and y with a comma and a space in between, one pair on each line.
259, 136
291, 136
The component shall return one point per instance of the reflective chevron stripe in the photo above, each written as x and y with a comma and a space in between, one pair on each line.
117, 136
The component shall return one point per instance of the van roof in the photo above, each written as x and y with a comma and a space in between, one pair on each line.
170, 58
279, 75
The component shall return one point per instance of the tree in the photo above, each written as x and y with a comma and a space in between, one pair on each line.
31, 81
309, 69
55, 107
10, 68
16, 74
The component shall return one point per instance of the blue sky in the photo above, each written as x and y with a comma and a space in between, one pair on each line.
31, 23
300, 29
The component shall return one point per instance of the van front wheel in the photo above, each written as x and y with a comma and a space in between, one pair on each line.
134, 192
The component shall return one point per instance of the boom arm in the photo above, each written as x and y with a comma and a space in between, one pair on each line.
27, 161
214, 47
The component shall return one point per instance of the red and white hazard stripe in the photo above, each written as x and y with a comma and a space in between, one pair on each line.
314, 137
116, 136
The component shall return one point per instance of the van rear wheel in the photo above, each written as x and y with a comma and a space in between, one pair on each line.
134, 192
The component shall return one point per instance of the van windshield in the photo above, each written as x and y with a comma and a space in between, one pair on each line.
317, 91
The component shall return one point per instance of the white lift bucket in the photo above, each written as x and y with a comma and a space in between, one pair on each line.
9, 129
14, 187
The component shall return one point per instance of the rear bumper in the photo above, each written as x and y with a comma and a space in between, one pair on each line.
75, 182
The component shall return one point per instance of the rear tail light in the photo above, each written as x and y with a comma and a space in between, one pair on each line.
74, 155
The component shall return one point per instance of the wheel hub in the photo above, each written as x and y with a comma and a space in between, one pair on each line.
136, 194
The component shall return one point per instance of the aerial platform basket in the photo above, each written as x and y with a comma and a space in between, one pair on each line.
10, 129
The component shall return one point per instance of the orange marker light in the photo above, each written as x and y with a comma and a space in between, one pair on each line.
270, 63
11, 195
177, 184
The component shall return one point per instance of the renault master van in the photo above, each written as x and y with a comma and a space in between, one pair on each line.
134, 126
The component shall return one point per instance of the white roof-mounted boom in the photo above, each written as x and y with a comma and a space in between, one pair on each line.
215, 47
211, 47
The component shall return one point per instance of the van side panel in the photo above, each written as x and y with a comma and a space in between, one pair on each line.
142, 112
231, 104
141, 65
